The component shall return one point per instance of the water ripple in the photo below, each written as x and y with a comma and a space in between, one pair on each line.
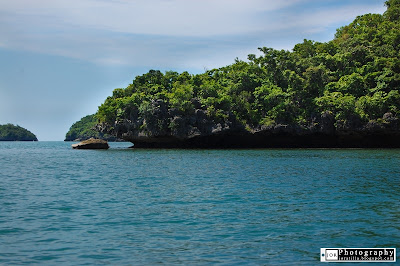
121, 206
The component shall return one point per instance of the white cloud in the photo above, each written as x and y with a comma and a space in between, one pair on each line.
165, 33
156, 17
319, 20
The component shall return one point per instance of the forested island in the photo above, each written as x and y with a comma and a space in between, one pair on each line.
341, 93
10, 132
85, 129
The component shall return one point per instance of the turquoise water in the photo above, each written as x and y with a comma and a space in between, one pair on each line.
122, 206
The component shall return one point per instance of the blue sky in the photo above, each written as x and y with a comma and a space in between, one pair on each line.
59, 60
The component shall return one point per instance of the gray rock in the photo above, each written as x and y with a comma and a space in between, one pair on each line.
91, 144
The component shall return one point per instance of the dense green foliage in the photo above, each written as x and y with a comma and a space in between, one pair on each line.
356, 76
85, 129
9, 132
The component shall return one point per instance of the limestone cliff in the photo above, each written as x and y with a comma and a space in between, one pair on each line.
161, 127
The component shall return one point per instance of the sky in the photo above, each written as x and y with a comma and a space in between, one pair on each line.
60, 59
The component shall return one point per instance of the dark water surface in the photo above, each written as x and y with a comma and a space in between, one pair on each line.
122, 206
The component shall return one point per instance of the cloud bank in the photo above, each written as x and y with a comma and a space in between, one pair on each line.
167, 33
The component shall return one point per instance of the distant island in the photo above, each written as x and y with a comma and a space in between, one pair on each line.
342, 93
85, 129
10, 132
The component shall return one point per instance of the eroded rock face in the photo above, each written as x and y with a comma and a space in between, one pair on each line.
91, 144
160, 127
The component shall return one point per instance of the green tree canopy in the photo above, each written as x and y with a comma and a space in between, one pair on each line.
10, 132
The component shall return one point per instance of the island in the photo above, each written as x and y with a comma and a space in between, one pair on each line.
10, 132
340, 93
85, 129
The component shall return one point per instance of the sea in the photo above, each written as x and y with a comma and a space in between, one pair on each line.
60, 206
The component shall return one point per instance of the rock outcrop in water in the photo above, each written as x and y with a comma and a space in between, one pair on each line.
91, 144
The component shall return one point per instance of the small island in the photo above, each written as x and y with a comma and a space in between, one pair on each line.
10, 132
85, 129
342, 93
